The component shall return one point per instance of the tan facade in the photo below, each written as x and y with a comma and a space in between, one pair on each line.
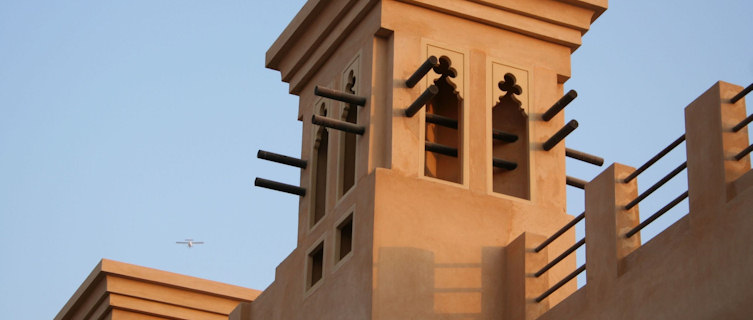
436, 214
121, 291
429, 230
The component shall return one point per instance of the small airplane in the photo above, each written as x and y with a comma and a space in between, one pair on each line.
189, 242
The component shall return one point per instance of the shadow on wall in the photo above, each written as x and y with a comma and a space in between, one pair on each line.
409, 284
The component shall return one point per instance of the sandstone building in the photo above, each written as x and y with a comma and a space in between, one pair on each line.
433, 177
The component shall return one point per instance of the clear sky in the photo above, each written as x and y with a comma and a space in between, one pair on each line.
128, 125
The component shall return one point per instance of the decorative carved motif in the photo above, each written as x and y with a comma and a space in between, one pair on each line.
446, 71
351, 82
445, 68
322, 130
349, 88
511, 88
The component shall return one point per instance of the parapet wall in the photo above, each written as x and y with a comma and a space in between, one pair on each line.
698, 268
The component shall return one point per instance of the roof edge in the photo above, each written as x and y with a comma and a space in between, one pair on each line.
111, 267
292, 32
598, 6
177, 280
82, 289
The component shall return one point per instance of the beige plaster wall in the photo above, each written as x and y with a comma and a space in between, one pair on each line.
340, 294
439, 249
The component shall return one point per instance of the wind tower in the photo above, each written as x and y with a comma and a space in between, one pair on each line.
432, 157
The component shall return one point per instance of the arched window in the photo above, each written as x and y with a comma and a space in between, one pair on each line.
509, 120
321, 148
350, 114
446, 104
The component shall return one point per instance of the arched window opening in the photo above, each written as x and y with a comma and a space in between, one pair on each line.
448, 104
350, 114
509, 119
321, 148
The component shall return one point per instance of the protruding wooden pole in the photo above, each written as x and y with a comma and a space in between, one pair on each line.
279, 186
430, 63
338, 125
560, 135
276, 157
504, 164
422, 100
339, 96
585, 157
559, 105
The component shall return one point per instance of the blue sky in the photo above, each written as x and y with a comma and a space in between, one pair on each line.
128, 125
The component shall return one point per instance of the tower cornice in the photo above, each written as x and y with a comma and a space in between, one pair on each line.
322, 25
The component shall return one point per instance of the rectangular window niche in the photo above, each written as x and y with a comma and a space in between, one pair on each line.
345, 237
315, 265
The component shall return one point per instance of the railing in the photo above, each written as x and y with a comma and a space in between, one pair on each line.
656, 215
744, 153
560, 232
625, 209
743, 123
561, 283
561, 257
677, 170
581, 184
570, 181
742, 94
655, 158
656, 186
